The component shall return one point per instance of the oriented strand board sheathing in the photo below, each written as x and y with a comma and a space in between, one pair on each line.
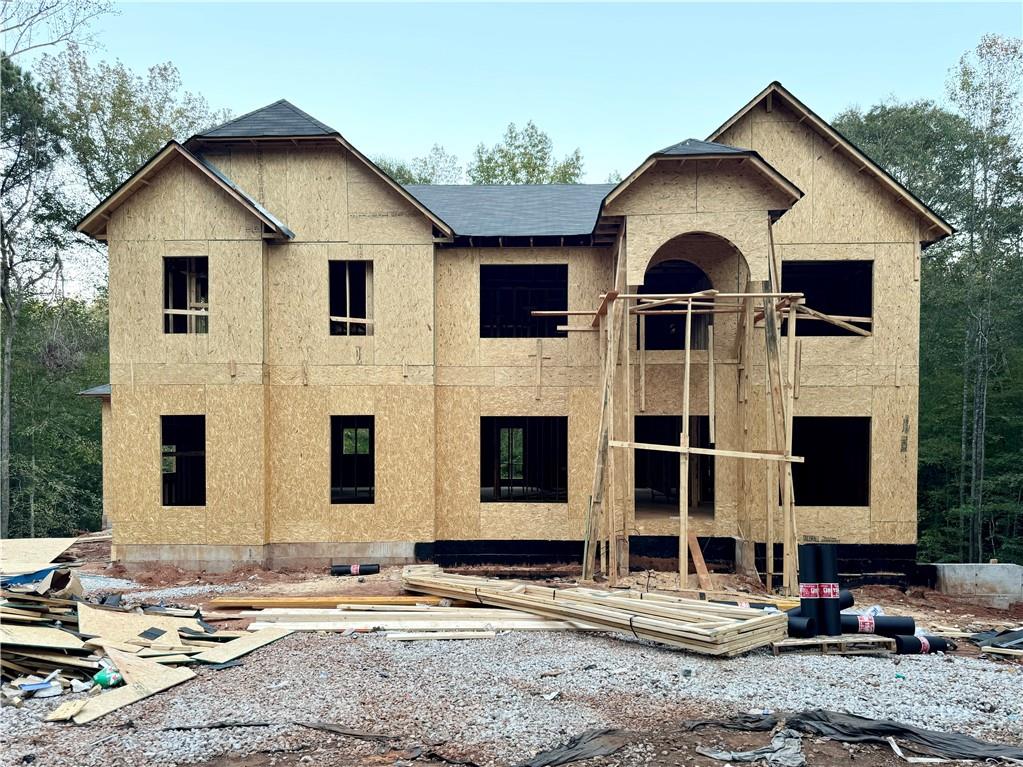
127, 626
26, 555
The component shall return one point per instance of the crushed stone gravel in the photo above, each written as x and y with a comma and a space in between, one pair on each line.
501, 700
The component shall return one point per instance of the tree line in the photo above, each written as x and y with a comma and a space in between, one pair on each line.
74, 129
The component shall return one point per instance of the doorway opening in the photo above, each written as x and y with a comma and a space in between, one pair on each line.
656, 478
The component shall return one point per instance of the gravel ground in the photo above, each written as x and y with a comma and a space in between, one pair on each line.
501, 700
132, 592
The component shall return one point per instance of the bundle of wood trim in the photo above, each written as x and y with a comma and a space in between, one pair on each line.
690, 624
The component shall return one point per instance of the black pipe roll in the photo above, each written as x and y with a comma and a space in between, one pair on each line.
809, 589
919, 645
882, 625
830, 621
354, 569
802, 627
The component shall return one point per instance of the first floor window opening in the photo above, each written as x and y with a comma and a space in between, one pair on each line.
186, 290
836, 466
509, 293
524, 458
183, 459
351, 298
842, 289
352, 449
657, 473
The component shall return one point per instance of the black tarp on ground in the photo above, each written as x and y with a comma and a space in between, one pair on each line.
586, 746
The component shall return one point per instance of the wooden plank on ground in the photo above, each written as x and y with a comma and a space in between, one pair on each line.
415, 636
242, 601
242, 646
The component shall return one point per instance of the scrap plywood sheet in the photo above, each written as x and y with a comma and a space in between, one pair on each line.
26, 555
242, 646
143, 678
126, 627
33, 636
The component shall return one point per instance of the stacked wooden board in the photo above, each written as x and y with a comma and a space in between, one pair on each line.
690, 624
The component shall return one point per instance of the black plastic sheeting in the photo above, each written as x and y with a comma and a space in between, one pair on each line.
882, 625
920, 645
849, 728
586, 746
1012, 640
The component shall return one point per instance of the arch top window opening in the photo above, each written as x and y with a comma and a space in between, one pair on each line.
668, 332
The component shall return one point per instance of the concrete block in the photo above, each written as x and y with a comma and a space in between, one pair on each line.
997, 585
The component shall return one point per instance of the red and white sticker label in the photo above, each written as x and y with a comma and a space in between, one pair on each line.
866, 624
828, 590
809, 591
925, 646
742, 604
355, 569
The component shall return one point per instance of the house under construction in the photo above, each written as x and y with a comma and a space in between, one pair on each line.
310, 362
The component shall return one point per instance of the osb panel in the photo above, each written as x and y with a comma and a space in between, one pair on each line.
144, 373
517, 400
300, 508
527, 521
234, 465
182, 203
746, 230
136, 311
896, 304
834, 400
402, 308
106, 427
732, 186
825, 251
458, 309
305, 187
841, 204
378, 214
848, 524
894, 444
457, 483
667, 187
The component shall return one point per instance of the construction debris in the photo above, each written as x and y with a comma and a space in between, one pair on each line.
686, 623
19, 556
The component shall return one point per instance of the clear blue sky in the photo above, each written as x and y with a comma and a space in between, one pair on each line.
618, 81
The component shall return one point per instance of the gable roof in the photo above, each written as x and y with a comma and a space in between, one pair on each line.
95, 220
281, 118
776, 89
519, 210
708, 150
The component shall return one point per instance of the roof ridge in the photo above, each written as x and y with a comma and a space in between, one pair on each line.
241, 117
303, 113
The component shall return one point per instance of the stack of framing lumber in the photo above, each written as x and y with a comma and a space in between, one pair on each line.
690, 624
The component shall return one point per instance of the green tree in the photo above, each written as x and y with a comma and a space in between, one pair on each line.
969, 165
524, 157
435, 167
33, 227
56, 471
114, 119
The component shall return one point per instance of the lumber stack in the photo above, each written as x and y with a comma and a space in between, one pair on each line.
689, 624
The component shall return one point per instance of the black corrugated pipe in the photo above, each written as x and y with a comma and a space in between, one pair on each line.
883, 625
830, 621
913, 645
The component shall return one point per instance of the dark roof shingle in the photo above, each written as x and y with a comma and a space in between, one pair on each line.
519, 210
695, 147
281, 118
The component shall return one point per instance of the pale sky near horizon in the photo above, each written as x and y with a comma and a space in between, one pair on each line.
617, 81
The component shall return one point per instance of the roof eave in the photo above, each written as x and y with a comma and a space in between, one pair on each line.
944, 228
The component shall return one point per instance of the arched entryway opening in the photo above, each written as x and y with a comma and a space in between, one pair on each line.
689, 263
